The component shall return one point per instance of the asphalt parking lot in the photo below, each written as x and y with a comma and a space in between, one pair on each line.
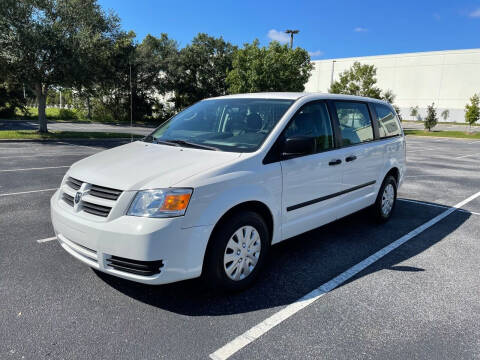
419, 300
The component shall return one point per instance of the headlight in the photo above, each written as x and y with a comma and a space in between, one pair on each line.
160, 203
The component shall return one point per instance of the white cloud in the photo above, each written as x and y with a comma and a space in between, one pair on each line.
315, 53
475, 13
360, 29
279, 36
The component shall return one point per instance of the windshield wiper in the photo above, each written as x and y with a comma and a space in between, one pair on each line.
190, 144
165, 142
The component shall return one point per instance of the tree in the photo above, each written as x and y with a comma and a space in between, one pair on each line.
431, 118
414, 112
152, 59
11, 98
445, 114
199, 70
389, 97
359, 80
46, 43
472, 110
272, 68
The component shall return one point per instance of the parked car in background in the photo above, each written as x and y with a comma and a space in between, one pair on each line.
208, 192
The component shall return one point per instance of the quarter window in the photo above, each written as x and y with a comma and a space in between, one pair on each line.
312, 121
387, 121
355, 123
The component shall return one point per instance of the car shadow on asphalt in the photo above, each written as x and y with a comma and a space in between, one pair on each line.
303, 263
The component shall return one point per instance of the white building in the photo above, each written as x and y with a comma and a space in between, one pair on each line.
447, 78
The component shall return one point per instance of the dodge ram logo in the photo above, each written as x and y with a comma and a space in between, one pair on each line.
78, 197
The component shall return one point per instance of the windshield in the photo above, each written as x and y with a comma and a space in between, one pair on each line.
236, 125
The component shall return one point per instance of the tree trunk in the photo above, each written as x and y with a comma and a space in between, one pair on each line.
89, 109
41, 93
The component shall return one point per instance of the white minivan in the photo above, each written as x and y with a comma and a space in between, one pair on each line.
209, 191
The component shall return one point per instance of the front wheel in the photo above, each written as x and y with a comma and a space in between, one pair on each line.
236, 252
386, 199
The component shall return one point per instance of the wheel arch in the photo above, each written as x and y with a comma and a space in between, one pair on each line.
395, 172
252, 205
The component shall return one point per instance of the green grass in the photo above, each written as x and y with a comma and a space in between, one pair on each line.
33, 134
74, 115
440, 122
440, 133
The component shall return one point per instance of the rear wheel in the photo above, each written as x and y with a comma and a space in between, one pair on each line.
386, 199
236, 252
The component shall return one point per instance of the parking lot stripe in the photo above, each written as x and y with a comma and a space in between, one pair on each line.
425, 203
44, 155
258, 330
28, 192
464, 156
42, 168
437, 205
47, 239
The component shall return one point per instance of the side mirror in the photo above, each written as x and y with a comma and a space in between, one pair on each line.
298, 146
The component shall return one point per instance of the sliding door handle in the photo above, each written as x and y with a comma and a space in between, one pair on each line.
350, 158
335, 162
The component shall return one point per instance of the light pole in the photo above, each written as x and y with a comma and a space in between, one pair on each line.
131, 105
291, 32
333, 70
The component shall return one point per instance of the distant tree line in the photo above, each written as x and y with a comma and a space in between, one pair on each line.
74, 46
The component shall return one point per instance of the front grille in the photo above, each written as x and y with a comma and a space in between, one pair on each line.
104, 192
96, 209
93, 191
67, 198
144, 268
74, 183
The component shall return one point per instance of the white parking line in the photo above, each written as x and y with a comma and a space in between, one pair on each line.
42, 168
47, 239
425, 203
258, 330
464, 156
437, 205
28, 192
45, 155
424, 175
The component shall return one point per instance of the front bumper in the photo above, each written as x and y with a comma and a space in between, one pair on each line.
181, 250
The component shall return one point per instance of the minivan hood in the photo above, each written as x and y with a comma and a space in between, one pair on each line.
140, 165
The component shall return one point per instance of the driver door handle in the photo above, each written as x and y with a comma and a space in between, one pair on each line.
350, 158
335, 162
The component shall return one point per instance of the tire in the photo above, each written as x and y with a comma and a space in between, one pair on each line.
387, 194
239, 273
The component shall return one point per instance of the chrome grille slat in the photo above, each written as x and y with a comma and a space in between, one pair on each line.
68, 199
93, 195
74, 183
104, 192
96, 209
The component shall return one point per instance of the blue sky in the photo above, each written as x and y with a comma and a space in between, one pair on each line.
328, 29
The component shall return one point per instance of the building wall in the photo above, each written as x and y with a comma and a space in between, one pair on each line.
447, 78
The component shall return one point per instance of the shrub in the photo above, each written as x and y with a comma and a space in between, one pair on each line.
431, 118
67, 114
472, 110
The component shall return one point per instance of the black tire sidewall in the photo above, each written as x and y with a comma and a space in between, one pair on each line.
378, 204
214, 271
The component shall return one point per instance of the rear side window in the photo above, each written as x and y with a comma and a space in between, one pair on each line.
312, 121
387, 121
355, 124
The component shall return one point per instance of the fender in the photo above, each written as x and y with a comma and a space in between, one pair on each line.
217, 195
